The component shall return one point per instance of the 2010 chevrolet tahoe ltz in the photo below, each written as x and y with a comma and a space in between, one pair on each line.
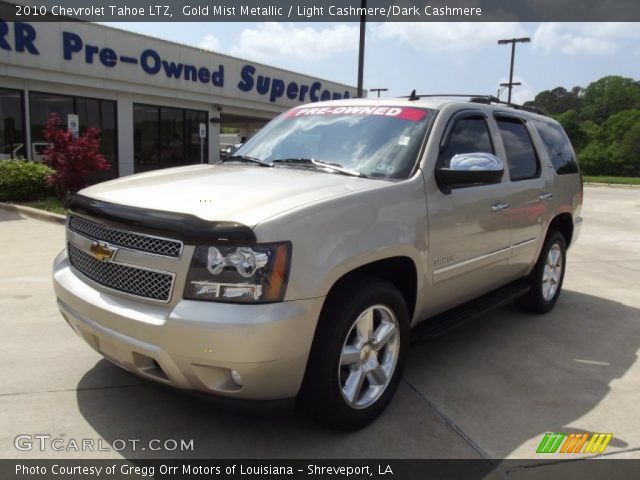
298, 266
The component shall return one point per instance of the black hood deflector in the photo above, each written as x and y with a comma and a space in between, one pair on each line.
182, 226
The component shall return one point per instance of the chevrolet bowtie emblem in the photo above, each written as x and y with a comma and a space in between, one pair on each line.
101, 251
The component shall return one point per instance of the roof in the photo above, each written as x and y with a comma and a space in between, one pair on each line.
482, 102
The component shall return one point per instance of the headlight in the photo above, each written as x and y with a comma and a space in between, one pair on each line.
252, 274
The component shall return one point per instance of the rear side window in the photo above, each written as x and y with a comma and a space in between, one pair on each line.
521, 155
559, 147
469, 135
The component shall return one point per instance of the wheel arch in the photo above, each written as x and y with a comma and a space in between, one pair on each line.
562, 223
400, 271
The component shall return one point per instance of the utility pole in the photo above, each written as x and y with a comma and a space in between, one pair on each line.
513, 42
378, 90
505, 85
363, 20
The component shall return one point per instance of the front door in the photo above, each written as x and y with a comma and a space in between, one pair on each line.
469, 236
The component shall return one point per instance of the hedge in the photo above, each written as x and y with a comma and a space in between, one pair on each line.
22, 180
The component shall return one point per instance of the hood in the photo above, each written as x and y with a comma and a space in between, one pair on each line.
247, 194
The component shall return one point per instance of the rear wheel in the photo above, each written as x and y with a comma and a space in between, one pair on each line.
547, 276
357, 355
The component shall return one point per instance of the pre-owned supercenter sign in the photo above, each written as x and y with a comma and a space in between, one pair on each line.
24, 39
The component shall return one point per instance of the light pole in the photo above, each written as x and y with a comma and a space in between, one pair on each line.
378, 90
363, 20
513, 42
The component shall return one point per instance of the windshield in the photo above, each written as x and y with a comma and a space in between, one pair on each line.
379, 142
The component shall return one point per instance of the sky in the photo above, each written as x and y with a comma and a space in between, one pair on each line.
429, 57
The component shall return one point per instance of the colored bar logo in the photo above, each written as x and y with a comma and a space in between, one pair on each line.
574, 442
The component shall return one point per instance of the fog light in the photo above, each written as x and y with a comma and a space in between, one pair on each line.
237, 379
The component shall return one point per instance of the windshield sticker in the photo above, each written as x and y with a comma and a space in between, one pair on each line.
411, 114
386, 168
404, 141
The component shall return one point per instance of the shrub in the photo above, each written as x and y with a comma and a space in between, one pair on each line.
23, 180
71, 158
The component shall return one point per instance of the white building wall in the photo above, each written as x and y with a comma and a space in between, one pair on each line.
83, 73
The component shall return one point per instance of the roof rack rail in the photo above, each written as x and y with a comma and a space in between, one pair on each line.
485, 99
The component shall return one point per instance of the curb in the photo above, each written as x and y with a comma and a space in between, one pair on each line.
34, 213
620, 185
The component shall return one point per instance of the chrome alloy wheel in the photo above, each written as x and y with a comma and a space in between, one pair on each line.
552, 273
369, 356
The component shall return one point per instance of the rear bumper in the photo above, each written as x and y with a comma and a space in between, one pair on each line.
192, 344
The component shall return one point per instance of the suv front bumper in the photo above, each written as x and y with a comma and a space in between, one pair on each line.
194, 344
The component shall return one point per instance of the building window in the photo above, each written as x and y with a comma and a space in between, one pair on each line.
166, 137
11, 124
92, 113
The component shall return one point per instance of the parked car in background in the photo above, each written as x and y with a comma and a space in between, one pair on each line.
13, 151
16, 151
225, 150
37, 151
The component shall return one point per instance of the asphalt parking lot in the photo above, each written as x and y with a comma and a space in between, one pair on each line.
488, 390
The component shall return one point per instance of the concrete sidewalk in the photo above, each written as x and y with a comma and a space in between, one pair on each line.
490, 389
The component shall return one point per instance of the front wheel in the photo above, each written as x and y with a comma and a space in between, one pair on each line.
357, 355
547, 276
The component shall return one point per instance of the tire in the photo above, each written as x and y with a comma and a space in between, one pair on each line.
351, 377
547, 276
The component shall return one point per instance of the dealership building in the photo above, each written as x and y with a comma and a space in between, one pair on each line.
157, 103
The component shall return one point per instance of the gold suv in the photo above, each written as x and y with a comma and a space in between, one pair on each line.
298, 266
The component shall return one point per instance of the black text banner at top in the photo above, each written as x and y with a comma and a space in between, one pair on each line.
321, 10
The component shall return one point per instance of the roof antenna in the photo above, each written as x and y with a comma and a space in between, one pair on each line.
413, 97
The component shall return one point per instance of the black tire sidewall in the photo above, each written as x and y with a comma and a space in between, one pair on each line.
321, 388
537, 302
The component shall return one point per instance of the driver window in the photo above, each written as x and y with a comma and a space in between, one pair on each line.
469, 135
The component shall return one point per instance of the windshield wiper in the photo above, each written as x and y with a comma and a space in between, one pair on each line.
245, 159
334, 167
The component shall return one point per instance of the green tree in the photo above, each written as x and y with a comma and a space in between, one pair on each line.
602, 121
615, 146
608, 96
570, 121
559, 100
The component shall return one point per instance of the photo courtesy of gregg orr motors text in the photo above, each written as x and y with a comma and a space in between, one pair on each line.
44, 442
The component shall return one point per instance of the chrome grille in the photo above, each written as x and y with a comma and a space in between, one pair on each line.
124, 278
124, 238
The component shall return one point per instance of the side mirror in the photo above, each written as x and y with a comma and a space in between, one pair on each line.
470, 169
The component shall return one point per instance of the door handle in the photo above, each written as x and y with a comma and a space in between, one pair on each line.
500, 206
545, 196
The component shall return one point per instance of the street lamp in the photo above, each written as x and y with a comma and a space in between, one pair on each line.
513, 42
378, 90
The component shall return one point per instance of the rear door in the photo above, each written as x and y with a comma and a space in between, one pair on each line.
529, 196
